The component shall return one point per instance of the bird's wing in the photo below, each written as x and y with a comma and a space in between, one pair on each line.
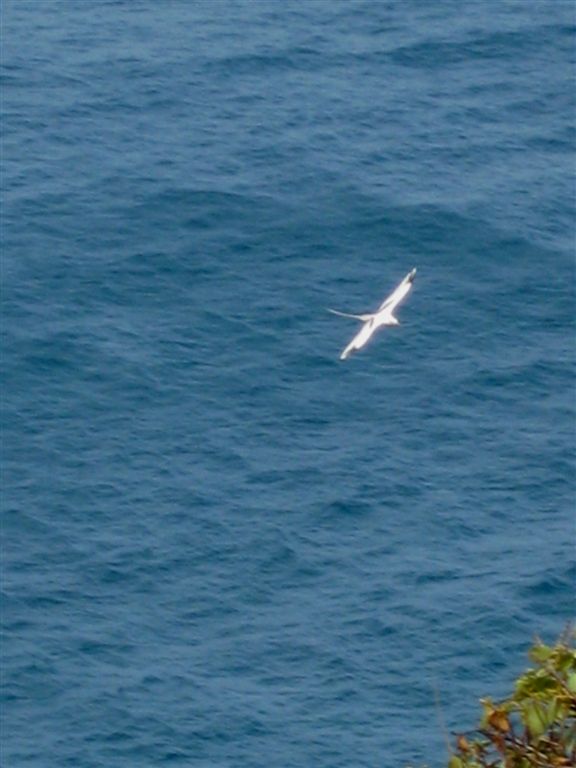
359, 340
399, 293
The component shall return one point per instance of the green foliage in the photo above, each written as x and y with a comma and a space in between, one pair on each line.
535, 727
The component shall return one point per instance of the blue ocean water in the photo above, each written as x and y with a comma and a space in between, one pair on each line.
222, 546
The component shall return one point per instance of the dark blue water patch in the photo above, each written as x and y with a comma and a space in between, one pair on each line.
552, 590
503, 45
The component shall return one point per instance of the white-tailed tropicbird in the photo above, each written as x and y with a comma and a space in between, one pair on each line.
384, 315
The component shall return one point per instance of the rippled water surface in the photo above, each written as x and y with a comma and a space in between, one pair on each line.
224, 547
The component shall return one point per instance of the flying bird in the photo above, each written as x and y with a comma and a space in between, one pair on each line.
384, 315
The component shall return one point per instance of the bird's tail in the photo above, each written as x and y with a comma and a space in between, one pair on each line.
363, 318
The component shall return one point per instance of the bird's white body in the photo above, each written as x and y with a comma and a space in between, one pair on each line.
384, 315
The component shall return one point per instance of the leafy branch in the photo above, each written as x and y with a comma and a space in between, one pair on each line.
535, 727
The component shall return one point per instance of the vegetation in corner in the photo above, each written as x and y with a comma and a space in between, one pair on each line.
535, 727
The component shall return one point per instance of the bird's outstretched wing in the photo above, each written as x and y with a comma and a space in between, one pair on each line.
398, 293
362, 337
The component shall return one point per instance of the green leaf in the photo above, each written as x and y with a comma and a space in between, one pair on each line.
564, 660
541, 653
535, 683
534, 717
